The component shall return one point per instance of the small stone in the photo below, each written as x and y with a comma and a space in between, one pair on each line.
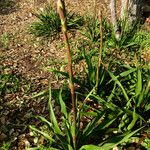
115, 148
41, 9
27, 143
35, 140
31, 134
30, 14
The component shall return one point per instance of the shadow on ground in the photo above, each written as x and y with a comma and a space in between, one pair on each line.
8, 6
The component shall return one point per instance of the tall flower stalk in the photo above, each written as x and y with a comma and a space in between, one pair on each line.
101, 47
62, 13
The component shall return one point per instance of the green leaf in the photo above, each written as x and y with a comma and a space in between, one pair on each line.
111, 143
126, 73
93, 124
139, 83
62, 104
45, 121
147, 107
90, 147
70, 147
140, 98
109, 104
147, 90
52, 116
135, 117
112, 93
41, 148
57, 71
120, 85
42, 133
118, 140
43, 93
65, 74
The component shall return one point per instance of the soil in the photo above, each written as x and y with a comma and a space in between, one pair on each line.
24, 55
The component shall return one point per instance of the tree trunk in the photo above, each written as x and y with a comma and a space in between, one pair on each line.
114, 18
131, 9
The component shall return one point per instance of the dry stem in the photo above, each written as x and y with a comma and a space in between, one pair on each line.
101, 47
61, 12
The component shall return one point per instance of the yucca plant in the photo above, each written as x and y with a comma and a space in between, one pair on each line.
59, 135
112, 143
95, 72
131, 95
49, 23
126, 40
95, 125
92, 29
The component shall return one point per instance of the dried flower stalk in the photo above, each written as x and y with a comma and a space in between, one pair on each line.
101, 47
61, 12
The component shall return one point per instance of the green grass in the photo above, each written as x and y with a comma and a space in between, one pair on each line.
4, 40
5, 146
9, 83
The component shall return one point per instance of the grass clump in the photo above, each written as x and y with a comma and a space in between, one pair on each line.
49, 23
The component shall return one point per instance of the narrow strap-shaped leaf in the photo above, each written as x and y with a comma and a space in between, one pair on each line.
65, 74
62, 104
147, 90
139, 83
118, 140
45, 92
89, 128
129, 112
43, 148
68, 131
112, 93
111, 143
135, 117
126, 73
70, 147
110, 105
43, 133
120, 85
63, 142
52, 115
147, 107
45, 121
140, 98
